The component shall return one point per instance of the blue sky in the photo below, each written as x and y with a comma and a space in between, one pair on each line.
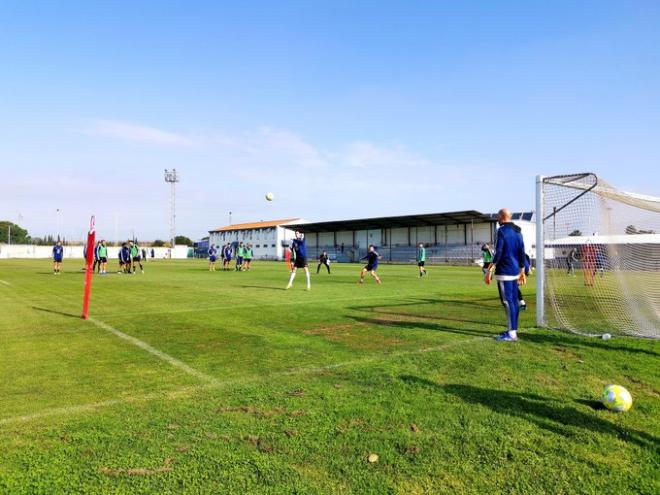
342, 109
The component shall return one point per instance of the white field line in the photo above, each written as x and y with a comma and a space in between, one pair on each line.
4, 282
188, 391
151, 350
70, 410
159, 354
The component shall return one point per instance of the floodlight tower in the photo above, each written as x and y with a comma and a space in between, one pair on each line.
172, 177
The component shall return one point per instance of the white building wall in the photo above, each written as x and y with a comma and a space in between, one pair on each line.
425, 235
375, 237
326, 238
345, 237
267, 242
455, 234
399, 237
362, 238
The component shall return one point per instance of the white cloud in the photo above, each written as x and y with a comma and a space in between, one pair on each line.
364, 154
136, 132
269, 146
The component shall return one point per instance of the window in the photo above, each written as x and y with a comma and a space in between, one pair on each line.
273, 245
257, 246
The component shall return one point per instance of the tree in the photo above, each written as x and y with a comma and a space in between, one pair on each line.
575, 233
182, 239
158, 243
631, 230
18, 235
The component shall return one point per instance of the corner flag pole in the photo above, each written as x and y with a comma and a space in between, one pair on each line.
89, 260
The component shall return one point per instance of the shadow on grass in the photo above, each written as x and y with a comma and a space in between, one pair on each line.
542, 338
593, 404
494, 303
544, 413
577, 341
422, 325
52, 311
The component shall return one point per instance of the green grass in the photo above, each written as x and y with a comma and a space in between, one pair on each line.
292, 390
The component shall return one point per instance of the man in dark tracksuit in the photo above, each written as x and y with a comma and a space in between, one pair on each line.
509, 267
324, 259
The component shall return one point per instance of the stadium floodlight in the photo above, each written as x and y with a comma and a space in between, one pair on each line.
598, 257
172, 178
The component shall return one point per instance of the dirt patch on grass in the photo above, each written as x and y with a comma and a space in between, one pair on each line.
141, 471
355, 336
259, 443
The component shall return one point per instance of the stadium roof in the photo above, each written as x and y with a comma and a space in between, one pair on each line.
255, 225
427, 219
518, 215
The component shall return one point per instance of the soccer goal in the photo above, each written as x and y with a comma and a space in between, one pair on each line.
598, 257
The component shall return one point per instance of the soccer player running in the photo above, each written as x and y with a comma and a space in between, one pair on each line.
421, 259
135, 256
212, 257
299, 250
324, 259
372, 258
58, 256
509, 267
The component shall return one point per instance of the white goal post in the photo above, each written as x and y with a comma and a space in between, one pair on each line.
597, 257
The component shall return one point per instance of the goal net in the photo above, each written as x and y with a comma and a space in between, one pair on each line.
600, 252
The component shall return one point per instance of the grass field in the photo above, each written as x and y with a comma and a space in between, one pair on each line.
186, 381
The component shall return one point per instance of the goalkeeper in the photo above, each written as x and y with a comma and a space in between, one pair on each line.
509, 268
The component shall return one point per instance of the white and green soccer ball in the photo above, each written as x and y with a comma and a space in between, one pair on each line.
270, 196
616, 398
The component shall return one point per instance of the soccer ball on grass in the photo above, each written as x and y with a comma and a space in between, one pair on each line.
616, 398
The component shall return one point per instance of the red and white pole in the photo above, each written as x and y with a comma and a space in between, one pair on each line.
89, 261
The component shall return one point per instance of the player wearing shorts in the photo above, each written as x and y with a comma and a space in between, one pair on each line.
240, 253
58, 256
228, 254
212, 257
125, 259
102, 252
299, 250
372, 258
135, 257
421, 259
248, 254
324, 259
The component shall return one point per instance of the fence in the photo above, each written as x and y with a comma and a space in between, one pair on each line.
74, 252
451, 254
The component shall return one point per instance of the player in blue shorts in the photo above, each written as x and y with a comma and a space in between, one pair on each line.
228, 254
58, 256
212, 257
299, 250
372, 258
